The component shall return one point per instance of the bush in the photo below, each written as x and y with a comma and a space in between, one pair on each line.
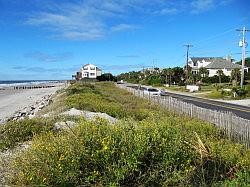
215, 95
241, 92
111, 100
155, 80
19, 131
149, 147
151, 152
215, 79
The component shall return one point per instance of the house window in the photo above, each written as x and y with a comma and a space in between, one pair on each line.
85, 68
92, 68
92, 74
195, 63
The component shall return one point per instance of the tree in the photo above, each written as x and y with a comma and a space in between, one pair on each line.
187, 70
178, 75
235, 74
247, 62
106, 77
168, 73
203, 72
220, 74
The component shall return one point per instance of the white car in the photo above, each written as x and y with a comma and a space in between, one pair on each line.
151, 91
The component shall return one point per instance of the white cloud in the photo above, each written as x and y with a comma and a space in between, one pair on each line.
199, 6
73, 21
226, 2
95, 19
123, 27
44, 57
166, 11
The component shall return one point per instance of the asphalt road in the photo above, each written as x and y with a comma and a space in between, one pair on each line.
239, 110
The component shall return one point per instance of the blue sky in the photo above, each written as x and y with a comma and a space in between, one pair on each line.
51, 39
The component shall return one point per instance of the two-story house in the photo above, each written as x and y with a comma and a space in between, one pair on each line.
213, 64
90, 71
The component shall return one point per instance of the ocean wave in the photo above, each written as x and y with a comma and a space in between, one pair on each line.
24, 83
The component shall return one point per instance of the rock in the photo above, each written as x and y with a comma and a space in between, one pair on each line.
73, 112
89, 115
31, 116
92, 115
64, 125
46, 115
31, 110
2, 121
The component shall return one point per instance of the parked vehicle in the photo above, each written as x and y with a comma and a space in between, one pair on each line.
163, 93
120, 82
151, 91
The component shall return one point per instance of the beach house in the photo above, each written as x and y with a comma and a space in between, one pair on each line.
213, 64
90, 71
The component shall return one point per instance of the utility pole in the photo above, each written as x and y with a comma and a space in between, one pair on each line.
154, 63
188, 46
243, 45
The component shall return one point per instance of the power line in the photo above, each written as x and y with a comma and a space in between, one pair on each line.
198, 43
243, 45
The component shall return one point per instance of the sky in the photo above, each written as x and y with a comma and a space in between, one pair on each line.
52, 39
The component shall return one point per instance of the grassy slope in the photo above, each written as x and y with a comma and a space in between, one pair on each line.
147, 146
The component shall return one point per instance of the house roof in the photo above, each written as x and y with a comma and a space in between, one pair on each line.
87, 65
221, 63
98, 69
207, 59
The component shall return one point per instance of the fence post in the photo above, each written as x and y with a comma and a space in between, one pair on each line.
233, 126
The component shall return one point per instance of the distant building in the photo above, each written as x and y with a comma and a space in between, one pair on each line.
213, 64
89, 71
152, 70
78, 76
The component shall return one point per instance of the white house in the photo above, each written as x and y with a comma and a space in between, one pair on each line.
213, 64
90, 71
152, 70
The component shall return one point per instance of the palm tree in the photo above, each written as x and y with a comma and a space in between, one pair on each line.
235, 74
203, 72
168, 73
220, 74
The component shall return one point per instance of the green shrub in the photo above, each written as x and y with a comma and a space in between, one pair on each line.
80, 88
148, 146
19, 131
98, 153
215, 95
241, 92
151, 152
111, 100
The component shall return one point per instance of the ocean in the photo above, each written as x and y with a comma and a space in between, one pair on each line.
8, 83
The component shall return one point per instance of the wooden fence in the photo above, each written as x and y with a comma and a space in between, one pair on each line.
236, 128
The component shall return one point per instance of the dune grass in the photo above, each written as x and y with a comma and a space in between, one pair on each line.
148, 146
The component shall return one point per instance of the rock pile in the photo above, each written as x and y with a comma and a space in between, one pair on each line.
31, 110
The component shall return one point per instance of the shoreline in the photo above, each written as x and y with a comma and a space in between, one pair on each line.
19, 103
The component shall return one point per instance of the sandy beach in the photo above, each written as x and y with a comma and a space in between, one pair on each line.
12, 100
